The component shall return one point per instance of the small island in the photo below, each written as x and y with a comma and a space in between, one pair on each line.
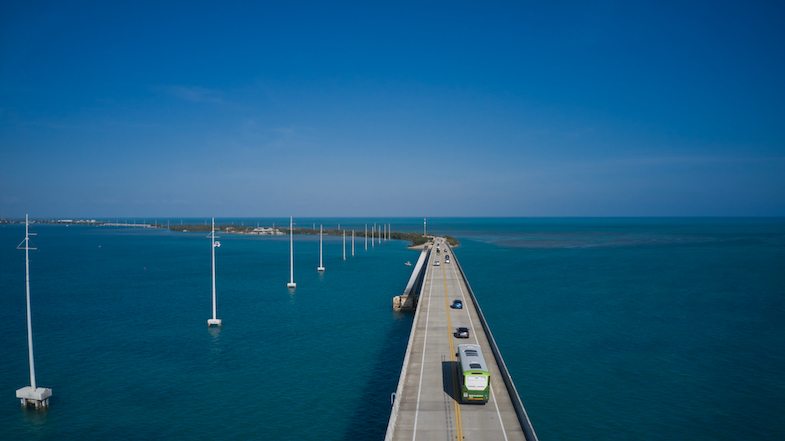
415, 239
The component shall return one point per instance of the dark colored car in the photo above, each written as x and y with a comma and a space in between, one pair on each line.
456, 304
461, 333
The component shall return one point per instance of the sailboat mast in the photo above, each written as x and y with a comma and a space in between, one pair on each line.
291, 250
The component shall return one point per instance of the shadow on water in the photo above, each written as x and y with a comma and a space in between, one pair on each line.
450, 380
369, 420
215, 333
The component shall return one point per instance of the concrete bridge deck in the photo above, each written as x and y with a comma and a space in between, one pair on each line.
427, 404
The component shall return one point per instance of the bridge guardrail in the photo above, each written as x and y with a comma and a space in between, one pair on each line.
402, 378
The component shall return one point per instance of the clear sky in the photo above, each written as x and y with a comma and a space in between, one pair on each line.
345, 109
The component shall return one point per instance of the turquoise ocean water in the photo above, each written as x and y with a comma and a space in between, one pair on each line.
612, 329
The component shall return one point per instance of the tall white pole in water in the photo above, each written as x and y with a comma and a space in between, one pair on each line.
352, 243
291, 283
424, 227
39, 397
213, 245
344, 244
29, 316
321, 266
366, 237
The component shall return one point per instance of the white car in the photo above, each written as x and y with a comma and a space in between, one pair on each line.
436, 263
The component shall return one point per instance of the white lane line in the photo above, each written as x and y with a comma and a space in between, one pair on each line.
471, 323
422, 363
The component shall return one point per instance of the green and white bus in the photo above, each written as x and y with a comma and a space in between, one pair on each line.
474, 375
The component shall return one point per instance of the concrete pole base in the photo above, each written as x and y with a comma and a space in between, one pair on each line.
38, 397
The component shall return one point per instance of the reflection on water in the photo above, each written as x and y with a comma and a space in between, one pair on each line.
35, 418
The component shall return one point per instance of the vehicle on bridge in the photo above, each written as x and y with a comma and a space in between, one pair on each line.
474, 375
457, 304
461, 332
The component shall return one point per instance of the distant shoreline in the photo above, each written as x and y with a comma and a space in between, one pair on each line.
417, 241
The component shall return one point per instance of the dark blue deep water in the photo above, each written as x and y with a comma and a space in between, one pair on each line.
613, 329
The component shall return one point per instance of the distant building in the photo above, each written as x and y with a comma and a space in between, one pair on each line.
266, 231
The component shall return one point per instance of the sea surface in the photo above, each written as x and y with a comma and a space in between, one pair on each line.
613, 329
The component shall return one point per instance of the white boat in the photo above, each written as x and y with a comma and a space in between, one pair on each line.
408, 263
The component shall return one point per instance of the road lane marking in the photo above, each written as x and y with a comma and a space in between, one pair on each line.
456, 404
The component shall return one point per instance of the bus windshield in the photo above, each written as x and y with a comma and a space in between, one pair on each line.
476, 382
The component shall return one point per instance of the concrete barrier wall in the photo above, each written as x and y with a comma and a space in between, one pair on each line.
401, 379
520, 411
417, 273
417, 288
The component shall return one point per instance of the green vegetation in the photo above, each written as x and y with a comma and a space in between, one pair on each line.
452, 241
414, 238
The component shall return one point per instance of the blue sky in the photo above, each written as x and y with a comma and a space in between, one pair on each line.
348, 109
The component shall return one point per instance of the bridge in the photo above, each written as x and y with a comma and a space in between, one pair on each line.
427, 403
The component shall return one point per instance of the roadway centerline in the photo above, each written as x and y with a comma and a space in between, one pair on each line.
456, 404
